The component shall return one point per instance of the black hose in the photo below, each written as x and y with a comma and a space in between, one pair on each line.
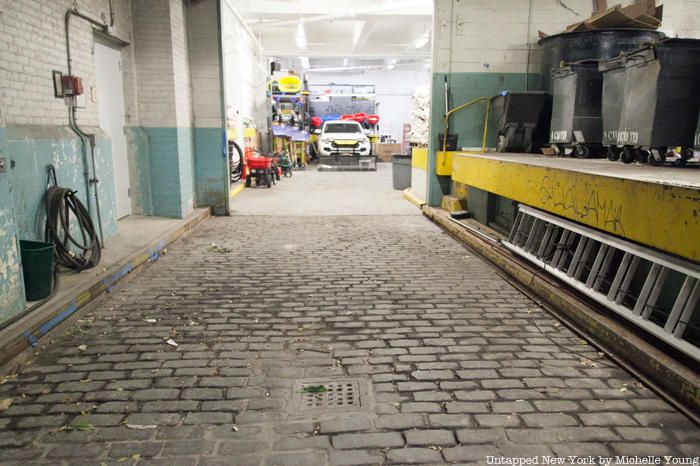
60, 203
235, 166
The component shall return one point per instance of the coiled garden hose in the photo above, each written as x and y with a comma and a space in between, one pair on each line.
70, 252
235, 165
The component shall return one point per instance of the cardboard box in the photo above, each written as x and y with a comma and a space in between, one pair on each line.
385, 151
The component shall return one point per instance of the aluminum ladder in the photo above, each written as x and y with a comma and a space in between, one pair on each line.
657, 292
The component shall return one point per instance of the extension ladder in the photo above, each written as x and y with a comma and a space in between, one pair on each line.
657, 292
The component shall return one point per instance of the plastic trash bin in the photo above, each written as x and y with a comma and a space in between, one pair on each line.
37, 267
516, 115
401, 171
661, 100
576, 109
613, 99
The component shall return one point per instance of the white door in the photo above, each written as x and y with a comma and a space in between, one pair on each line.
110, 101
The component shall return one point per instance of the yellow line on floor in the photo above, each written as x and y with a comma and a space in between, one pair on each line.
236, 190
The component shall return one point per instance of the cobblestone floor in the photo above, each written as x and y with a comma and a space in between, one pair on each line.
452, 364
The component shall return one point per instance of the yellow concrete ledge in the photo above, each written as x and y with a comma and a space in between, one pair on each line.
662, 216
419, 158
408, 195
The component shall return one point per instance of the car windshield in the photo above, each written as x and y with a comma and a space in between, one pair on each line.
342, 128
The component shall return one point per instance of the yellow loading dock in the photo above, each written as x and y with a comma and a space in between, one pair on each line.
655, 207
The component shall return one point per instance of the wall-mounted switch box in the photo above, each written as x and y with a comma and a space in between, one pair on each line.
3, 164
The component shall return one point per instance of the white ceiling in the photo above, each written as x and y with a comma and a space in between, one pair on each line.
354, 34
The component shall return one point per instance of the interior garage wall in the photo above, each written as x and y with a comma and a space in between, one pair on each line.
394, 90
162, 122
681, 18
481, 48
246, 72
34, 128
211, 165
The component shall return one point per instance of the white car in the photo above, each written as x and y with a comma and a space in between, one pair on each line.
343, 137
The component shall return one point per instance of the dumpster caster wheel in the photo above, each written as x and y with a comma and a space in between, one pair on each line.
627, 155
644, 156
501, 143
686, 154
248, 181
657, 157
268, 180
613, 154
257, 181
581, 151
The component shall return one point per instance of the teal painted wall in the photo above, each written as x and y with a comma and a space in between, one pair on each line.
32, 149
468, 124
11, 283
211, 169
164, 158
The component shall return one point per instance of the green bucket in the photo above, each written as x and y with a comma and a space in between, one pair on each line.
37, 265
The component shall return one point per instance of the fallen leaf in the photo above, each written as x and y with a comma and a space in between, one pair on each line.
123, 459
82, 425
314, 389
150, 321
4, 404
82, 347
234, 428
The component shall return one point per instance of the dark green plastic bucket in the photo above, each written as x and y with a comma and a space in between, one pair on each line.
37, 264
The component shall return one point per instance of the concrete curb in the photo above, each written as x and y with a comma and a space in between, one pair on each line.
27, 332
676, 382
408, 195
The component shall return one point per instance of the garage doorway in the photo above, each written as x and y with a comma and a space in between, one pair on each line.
110, 98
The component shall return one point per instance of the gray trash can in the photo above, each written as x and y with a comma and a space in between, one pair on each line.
401, 170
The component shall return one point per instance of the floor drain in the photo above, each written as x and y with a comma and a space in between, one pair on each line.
335, 395
330, 395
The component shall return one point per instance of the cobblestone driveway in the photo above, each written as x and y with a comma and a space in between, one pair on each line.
458, 364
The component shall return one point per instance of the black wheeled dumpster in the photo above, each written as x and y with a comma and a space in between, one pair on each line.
613, 99
516, 115
576, 109
661, 101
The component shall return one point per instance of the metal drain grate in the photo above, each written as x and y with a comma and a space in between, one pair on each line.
343, 394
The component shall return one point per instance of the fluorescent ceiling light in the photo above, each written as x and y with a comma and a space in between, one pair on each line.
305, 62
300, 36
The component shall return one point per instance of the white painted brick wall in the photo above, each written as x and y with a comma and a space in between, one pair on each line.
181, 66
154, 63
682, 18
206, 82
478, 36
33, 38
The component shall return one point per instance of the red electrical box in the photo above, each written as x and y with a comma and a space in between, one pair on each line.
72, 86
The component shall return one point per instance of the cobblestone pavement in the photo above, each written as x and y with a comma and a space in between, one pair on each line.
451, 363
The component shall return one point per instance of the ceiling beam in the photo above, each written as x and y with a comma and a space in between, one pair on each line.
361, 33
352, 14
340, 53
